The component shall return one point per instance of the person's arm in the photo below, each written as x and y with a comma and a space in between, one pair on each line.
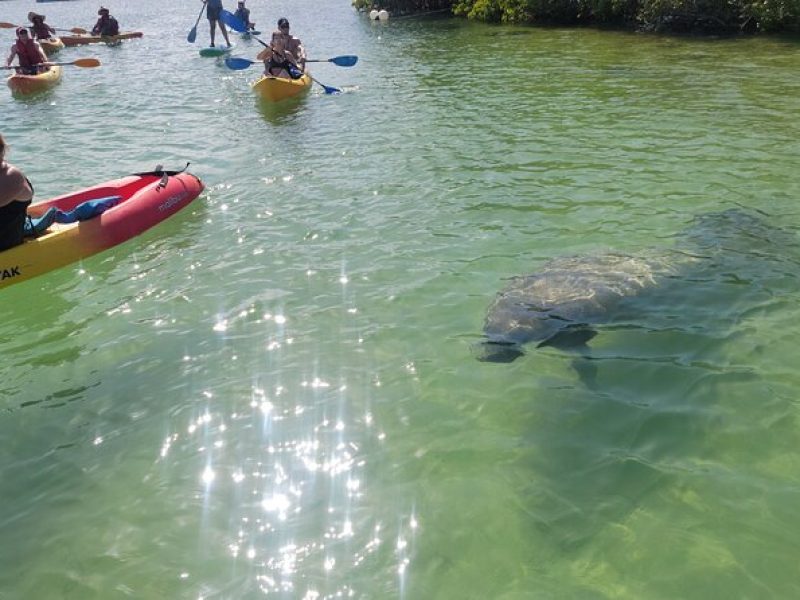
14, 186
11, 56
42, 55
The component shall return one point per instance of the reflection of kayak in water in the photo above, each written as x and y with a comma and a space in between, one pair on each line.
107, 214
276, 89
30, 84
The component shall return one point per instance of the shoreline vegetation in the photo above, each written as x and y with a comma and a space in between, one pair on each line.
697, 17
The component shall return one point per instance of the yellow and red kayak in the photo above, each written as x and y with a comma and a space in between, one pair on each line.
31, 84
80, 40
275, 89
51, 45
139, 202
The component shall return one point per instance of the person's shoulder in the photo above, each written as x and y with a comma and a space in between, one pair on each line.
13, 176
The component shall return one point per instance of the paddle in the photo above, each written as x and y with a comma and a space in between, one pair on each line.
237, 64
84, 63
341, 61
193, 33
78, 30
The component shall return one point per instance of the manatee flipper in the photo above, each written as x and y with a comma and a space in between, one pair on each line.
497, 352
571, 339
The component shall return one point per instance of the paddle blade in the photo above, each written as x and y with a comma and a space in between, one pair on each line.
192, 35
232, 21
86, 63
328, 89
4, 25
237, 64
344, 61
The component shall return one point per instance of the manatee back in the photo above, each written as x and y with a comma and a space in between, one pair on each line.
569, 290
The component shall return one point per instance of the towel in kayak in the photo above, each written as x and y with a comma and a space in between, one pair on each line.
82, 212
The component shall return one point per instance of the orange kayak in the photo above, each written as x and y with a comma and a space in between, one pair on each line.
80, 40
31, 84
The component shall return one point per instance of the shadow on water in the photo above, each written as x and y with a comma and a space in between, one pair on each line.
651, 381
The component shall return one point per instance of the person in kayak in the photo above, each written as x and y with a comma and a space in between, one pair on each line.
40, 30
291, 43
106, 25
244, 16
16, 193
279, 62
213, 11
30, 56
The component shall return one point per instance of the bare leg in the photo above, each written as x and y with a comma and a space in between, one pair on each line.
224, 33
213, 26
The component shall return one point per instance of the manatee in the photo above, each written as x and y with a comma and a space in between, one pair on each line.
558, 305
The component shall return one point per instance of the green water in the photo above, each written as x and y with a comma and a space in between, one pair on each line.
274, 393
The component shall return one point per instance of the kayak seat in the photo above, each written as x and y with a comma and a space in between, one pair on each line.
82, 212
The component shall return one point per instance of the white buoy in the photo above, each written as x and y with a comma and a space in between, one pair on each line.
383, 15
373, 15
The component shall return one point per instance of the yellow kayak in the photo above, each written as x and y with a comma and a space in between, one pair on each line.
275, 89
51, 45
30, 84
79, 40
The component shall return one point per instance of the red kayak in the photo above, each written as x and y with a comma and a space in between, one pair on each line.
108, 214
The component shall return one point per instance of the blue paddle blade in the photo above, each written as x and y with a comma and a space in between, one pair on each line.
344, 61
192, 35
232, 21
237, 64
328, 89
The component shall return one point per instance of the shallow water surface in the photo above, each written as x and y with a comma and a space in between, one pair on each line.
274, 392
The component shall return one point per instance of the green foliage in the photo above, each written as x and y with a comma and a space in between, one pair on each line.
676, 16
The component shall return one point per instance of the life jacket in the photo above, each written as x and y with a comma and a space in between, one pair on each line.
41, 30
27, 53
12, 222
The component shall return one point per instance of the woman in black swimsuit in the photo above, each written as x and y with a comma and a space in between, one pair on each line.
16, 193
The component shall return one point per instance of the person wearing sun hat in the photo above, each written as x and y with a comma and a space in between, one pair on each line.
244, 16
29, 54
106, 25
40, 30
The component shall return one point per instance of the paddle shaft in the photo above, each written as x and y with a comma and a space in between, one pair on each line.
193, 33
78, 30
84, 63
